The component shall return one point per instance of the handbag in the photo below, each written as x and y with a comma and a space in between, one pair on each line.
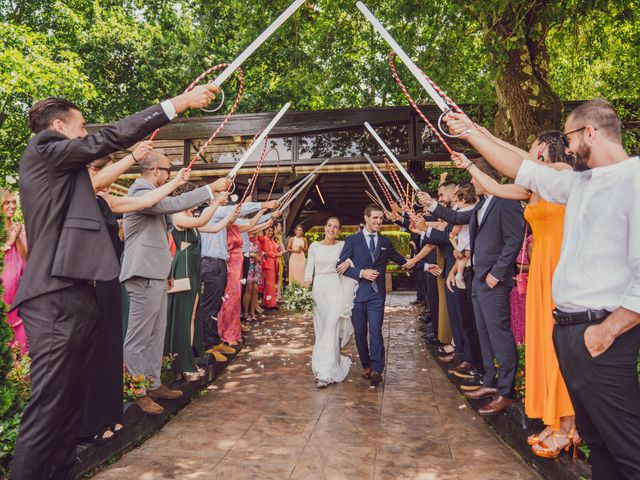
182, 284
522, 278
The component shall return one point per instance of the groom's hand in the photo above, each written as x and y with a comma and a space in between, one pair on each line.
369, 274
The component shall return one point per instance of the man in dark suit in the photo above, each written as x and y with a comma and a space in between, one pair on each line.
496, 229
56, 298
369, 253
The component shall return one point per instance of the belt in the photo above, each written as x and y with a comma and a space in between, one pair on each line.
85, 283
588, 316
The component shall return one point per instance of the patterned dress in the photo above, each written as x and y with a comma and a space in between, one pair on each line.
229, 316
255, 267
13, 269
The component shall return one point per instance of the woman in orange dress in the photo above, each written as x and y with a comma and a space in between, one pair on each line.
546, 394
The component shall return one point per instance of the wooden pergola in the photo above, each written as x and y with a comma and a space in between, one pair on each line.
300, 142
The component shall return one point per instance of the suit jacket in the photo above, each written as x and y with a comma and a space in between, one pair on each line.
496, 241
60, 208
356, 248
146, 244
439, 238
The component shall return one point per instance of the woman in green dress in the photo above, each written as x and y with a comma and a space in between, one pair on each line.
184, 336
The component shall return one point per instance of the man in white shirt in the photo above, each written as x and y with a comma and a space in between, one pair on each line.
596, 286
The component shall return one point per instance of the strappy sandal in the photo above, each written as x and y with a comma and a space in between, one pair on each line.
536, 438
544, 450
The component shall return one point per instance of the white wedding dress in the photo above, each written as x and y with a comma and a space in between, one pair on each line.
333, 296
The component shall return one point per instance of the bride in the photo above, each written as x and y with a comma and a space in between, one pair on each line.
333, 298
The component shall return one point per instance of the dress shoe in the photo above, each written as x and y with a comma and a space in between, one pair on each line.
376, 379
463, 366
222, 348
148, 406
366, 373
498, 405
483, 392
164, 392
471, 385
470, 374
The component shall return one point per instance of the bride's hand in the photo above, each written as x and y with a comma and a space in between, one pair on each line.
343, 267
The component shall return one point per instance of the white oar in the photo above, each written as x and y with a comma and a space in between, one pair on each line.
392, 157
405, 58
386, 182
300, 190
233, 66
372, 189
258, 141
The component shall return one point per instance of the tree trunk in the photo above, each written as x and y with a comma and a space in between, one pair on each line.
527, 105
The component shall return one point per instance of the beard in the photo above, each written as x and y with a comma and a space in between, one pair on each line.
582, 154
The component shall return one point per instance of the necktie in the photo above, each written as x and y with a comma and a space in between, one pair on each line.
372, 251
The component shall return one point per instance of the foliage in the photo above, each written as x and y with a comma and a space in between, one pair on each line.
399, 240
114, 57
297, 298
454, 174
520, 386
133, 386
166, 372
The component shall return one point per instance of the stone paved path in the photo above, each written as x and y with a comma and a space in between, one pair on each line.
264, 419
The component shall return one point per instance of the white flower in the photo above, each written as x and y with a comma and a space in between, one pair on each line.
11, 180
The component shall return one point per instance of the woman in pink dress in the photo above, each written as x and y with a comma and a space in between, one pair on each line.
517, 299
15, 257
229, 325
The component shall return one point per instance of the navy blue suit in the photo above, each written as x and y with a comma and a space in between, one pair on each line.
495, 243
368, 307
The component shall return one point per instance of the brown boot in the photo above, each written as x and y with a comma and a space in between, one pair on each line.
164, 392
148, 406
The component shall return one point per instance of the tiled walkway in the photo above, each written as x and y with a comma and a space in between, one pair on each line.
266, 419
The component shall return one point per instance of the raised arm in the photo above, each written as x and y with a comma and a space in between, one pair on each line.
261, 226
148, 198
184, 221
508, 191
244, 227
221, 224
106, 176
70, 154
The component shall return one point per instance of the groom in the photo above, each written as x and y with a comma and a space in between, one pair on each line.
369, 252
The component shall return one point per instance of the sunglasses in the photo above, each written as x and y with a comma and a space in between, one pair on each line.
566, 134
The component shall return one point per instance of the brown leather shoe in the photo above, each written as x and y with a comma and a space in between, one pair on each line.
483, 392
148, 406
164, 392
461, 367
366, 373
498, 405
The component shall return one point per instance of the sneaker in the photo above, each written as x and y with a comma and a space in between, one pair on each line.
148, 406
164, 392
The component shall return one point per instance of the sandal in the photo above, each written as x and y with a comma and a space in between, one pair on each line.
536, 438
545, 450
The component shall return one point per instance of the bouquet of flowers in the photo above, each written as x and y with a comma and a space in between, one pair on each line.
133, 386
297, 298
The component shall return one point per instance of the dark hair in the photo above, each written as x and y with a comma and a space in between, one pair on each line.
299, 226
557, 143
447, 184
102, 162
372, 207
187, 187
467, 193
485, 167
601, 114
333, 218
44, 112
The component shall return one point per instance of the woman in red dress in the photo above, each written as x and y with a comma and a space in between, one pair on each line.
270, 293
229, 325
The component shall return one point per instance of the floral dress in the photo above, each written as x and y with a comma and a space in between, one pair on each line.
255, 269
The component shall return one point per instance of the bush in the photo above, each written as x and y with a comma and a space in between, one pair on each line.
399, 240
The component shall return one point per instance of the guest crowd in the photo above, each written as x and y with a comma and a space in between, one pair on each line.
178, 270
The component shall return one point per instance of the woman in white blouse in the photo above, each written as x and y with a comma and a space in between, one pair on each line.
333, 298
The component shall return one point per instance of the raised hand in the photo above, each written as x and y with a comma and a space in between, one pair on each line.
142, 150
199, 97
424, 199
270, 205
221, 185
459, 124
182, 176
461, 160
220, 198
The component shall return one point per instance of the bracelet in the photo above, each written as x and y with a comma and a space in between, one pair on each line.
469, 166
134, 157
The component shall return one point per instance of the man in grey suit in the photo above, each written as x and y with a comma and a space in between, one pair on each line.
145, 270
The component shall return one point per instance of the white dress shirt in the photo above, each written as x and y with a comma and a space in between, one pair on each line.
483, 208
369, 240
599, 264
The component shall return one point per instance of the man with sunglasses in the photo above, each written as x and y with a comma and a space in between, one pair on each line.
596, 286
145, 268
